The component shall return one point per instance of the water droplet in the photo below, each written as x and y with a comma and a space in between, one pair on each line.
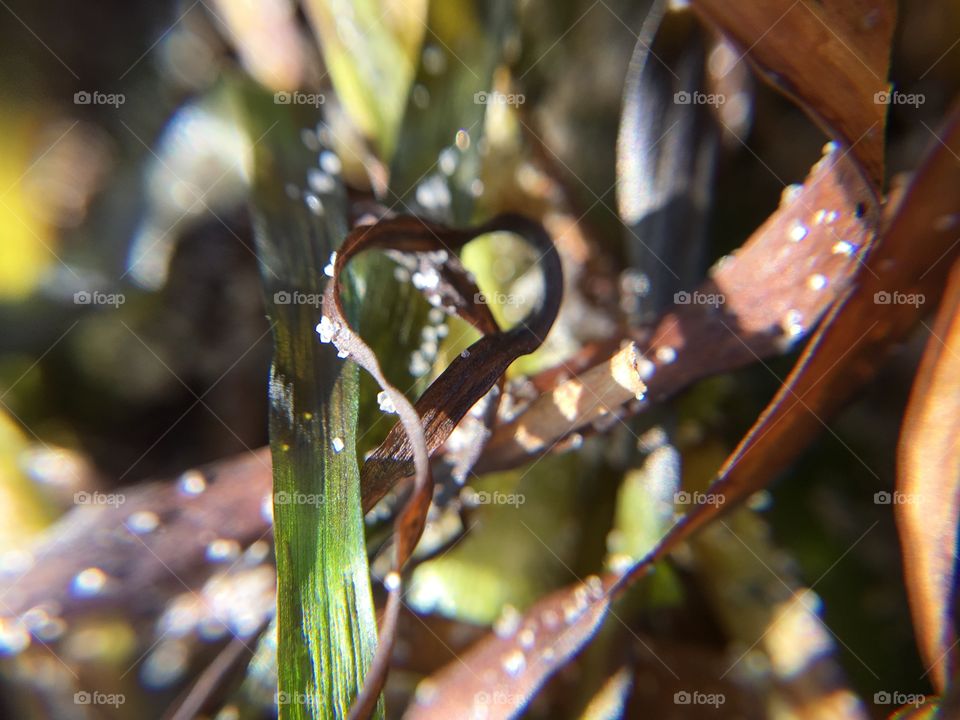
508, 622
463, 140
314, 204
165, 664
266, 509
14, 636
514, 662
792, 323
320, 181
666, 354
426, 280
550, 619
421, 96
310, 140
465, 354
143, 522
527, 638
434, 59
328, 268
192, 482
790, 193
337, 444
447, 161
645, 368
89, 582
392, 581
419, 365
327, 329
798, 231
433, 193
386, 403
330, 163
817, 282
842, 247
221, 550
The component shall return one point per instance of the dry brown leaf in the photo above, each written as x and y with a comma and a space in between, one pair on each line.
769, 295
833, 58
927, 501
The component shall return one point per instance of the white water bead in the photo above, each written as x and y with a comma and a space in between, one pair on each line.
514, 662
392, 581
143, 522
666, 354
337, 444
817, 282
386, 403
328, 268
192, 483
330, 163
798, 231
89, 582
314, 204
326, 329
320, 182
842, 247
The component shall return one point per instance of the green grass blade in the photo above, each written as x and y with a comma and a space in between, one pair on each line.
326, 623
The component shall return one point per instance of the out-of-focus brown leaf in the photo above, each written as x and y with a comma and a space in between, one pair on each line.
927, 503
832, 57
502, 672
907, 268
469, 377
757, 303
142, 570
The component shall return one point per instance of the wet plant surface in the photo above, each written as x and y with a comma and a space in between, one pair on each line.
479, 359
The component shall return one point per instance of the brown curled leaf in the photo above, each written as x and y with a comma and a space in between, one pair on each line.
833, 58
424, 428
757, 303
928, 481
